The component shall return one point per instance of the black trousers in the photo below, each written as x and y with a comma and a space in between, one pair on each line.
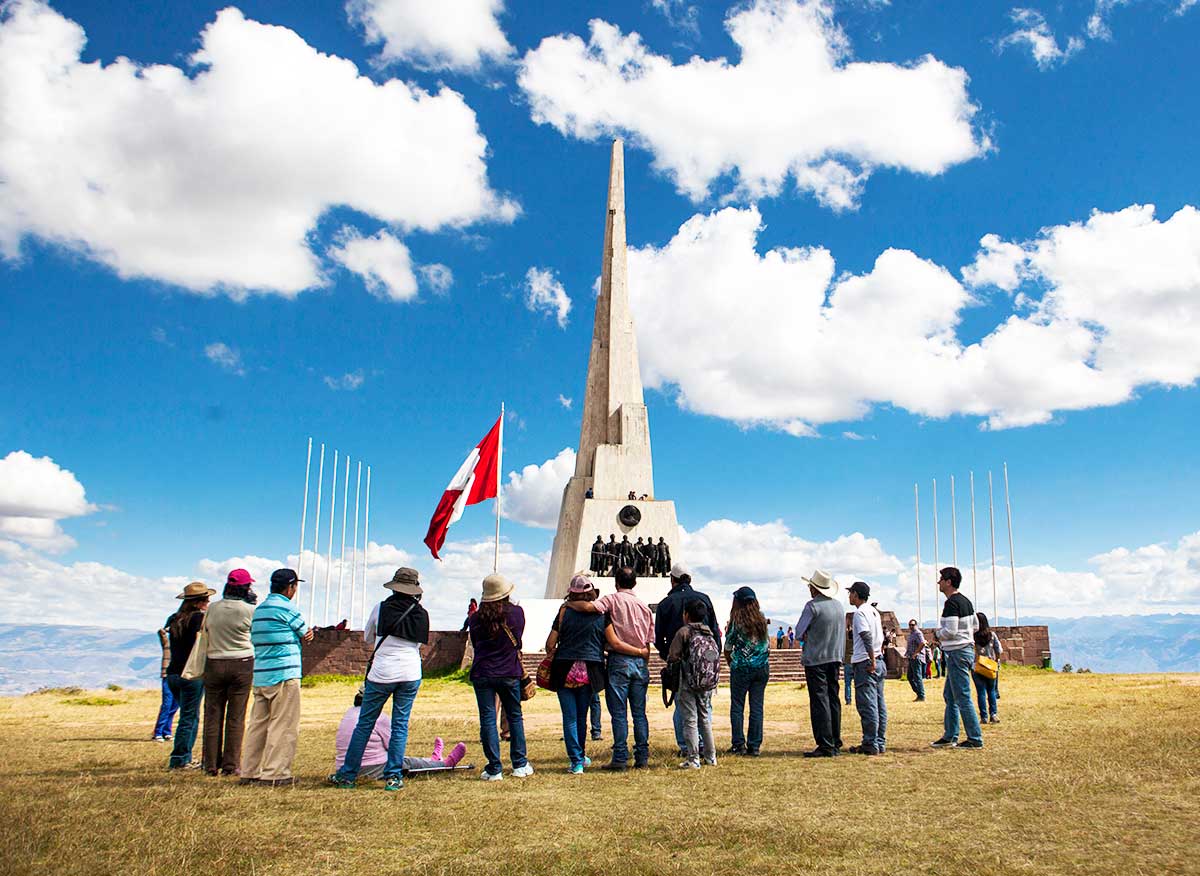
825, 704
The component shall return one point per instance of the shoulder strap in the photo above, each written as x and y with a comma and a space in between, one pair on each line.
381, 639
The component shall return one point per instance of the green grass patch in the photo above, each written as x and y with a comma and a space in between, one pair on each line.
92, 701
322, 680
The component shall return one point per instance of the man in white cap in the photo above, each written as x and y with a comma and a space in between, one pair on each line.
822, 628
668, 618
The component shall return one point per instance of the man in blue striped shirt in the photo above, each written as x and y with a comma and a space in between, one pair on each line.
274, 729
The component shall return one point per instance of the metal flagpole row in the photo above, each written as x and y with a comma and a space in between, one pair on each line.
329, 546
366, 545
342, 557
312, 574
354, 548
917, 517
304, 510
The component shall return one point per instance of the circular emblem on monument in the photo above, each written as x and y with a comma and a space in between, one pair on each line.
630, 516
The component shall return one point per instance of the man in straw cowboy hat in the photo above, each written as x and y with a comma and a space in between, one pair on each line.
397, 627
276, 632
822, 628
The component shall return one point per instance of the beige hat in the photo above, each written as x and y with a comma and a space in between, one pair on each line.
823, 582
405, 580
196, 590
496, 587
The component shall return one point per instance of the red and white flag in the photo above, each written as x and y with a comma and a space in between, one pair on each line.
478, 478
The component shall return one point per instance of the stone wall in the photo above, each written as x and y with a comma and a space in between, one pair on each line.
343, 652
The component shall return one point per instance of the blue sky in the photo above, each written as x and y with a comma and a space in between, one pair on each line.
128, 238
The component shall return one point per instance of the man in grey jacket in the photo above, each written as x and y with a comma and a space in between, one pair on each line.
956, 635
822, 628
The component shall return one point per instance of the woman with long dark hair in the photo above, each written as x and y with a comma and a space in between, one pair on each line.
496, 628
987, 644
182, 629
746, 652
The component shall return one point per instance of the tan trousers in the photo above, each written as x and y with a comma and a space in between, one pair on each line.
274, 730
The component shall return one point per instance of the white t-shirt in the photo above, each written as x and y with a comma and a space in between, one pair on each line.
396, 659
866, 619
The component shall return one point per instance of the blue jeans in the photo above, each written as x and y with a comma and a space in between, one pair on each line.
847, 678
628, 679
375, 695
166, 711
594, 709
743, 683
957, 693
189, 695
916, 678
575, 703
986, 691
872, 708
509, 691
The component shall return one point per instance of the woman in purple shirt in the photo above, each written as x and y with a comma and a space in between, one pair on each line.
495, 631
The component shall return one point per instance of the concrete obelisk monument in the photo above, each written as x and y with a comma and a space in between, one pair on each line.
614, 438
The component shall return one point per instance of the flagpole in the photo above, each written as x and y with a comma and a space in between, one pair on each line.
936, 569
953, 524
974, 574
329, 550
992, 526
499, 480
304, 512
354, 550
917, 518
342, 557
312, 583
366, 545
1012, 560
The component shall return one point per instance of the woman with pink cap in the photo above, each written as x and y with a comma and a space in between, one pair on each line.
228, 674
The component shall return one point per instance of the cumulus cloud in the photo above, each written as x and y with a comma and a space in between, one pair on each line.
431, 36
679, 14
545, 294
349, 381
1034, 34
779, 338
36, 493
212, 176
382, 261
438, 277
220, 353
794, 105
533, 495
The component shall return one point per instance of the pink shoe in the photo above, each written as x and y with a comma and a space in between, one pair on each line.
456, 754
438, 746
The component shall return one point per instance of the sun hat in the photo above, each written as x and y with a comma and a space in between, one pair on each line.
823, 582
581, 583
744, 594
196, 590
679, 570
496, 587
406, 581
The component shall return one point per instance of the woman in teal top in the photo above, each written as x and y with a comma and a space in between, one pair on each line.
746, 651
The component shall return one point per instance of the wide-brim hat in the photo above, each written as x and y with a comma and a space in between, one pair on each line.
823, 582
406, 581
496, 587
196, 590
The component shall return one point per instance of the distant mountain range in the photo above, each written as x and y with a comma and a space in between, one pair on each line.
33, 655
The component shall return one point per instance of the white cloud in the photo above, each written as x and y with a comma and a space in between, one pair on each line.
381, 260
534, 495
1035, 34
545, 294
781, 339
36, 493
349, 381
213, 176
437, 277
565, 402
794, 105
433, 36
220, 353
680, 14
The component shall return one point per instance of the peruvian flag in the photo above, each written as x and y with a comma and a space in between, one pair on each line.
478, 478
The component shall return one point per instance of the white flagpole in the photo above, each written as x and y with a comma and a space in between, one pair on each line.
304, 512
342, 558
366, 545
936, 566
992, 526
917, 517
499, 481
329, 548
974, 575
953, 524
312, 575
354, 550
1012, 561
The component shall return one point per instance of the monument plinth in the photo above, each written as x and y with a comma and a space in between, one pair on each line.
614, 458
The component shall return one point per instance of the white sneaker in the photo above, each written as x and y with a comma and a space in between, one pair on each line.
690, 765
488, 777
523, 772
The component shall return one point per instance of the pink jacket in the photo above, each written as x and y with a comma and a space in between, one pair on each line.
377, 742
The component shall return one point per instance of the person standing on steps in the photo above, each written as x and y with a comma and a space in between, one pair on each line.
746, 652
915, 653
956, 636
869, 671
668, 618
822, 626
779, 639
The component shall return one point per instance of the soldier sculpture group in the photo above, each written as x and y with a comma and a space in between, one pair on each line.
646, 558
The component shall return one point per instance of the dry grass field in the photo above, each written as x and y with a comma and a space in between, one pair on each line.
1087, 774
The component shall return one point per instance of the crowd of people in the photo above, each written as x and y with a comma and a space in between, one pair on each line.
238, 652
